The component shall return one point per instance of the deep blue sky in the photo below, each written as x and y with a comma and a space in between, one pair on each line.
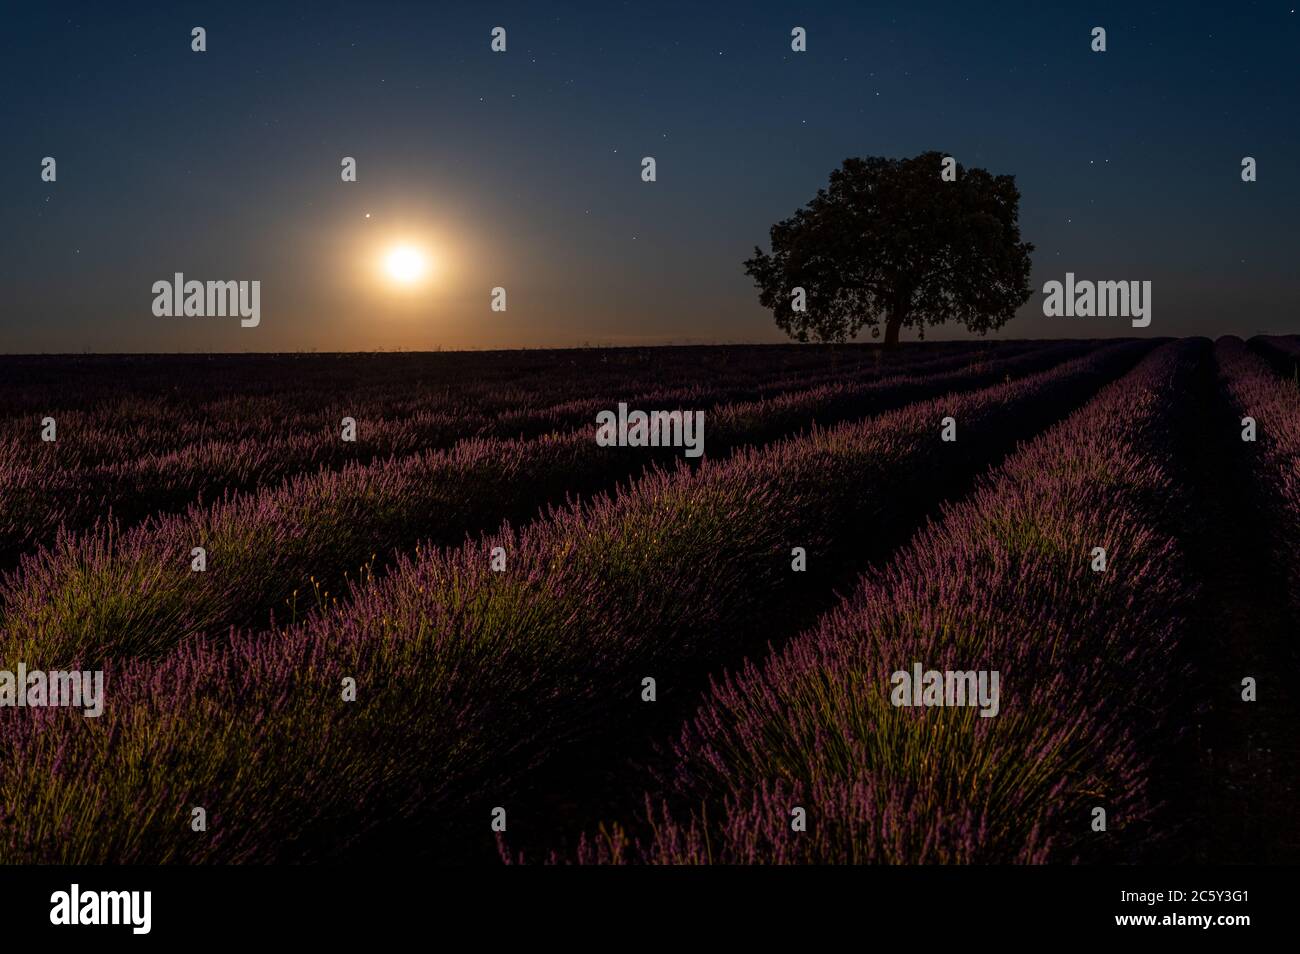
523, 169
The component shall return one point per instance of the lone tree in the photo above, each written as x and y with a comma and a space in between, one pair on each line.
897, 240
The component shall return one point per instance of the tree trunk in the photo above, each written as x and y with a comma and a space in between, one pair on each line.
894, 323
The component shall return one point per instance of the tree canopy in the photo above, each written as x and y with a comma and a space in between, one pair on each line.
897, 241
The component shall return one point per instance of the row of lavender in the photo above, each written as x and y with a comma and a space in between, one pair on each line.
469, 681
214, 390
1283, 351
105, 594
49, 486
1007, 582
160, 416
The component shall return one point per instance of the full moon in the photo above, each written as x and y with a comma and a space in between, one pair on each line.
405, 264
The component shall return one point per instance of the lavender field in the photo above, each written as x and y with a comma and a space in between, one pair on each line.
372, 607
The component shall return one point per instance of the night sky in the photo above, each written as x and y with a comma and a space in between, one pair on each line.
522, 169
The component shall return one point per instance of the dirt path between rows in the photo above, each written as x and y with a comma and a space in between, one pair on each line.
1233, 779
